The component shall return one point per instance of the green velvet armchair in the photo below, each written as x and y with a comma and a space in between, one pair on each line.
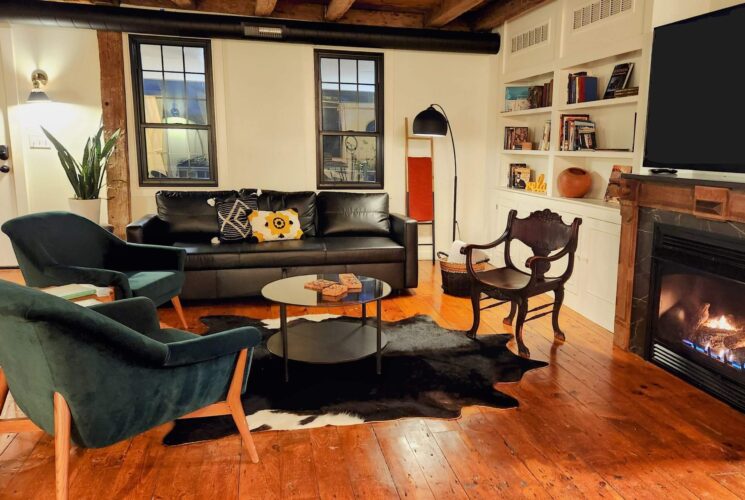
59, 248
103, 374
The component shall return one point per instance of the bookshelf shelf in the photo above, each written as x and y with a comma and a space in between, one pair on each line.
523, 192
527, 112
525, 152
600, 103
595, 154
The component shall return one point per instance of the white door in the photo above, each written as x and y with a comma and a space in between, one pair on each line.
7, 186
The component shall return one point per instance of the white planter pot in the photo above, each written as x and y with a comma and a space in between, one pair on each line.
90, 209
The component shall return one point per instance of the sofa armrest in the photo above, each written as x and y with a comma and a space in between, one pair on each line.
148, 229
405, 231
198, 349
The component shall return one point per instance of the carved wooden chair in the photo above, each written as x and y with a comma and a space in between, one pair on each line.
544, 233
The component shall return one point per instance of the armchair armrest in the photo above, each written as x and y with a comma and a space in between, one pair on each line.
200, 349
405, 232
138, 257
91, 276
138, 313
149, 229
468, 251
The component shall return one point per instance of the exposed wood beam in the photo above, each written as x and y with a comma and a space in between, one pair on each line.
113, 102
496, 14
450, 10
185, 4
337, 8
265, 7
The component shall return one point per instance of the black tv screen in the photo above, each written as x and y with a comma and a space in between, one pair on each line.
696, 110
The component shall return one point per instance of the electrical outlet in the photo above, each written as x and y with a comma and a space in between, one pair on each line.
38, 141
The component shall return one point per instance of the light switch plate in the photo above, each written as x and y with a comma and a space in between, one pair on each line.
38, 141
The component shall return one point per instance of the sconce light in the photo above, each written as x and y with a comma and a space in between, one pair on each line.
39, 79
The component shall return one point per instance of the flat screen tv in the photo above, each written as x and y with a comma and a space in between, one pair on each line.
696, 111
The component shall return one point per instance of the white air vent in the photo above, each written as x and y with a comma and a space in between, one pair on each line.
597, 11
530, 38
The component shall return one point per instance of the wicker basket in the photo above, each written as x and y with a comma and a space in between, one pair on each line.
455, 279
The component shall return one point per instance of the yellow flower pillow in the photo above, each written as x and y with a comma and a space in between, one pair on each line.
275, 226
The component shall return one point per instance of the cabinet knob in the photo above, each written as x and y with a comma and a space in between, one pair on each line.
4, 155
4, 169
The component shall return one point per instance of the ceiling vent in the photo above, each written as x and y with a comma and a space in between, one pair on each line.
268, 32
598, 11
530, 38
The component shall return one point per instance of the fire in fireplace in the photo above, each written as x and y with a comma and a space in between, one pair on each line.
697, 323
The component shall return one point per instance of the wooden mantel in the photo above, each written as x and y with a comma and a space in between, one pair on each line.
703, 198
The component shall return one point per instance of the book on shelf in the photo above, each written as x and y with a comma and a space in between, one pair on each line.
582, 88
613, 191
584, 138
519, 175
515, 137
567, 131
618, 80
626, 92
520, 98
71, 292
546, 139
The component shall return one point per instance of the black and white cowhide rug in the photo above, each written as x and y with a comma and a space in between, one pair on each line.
428, 371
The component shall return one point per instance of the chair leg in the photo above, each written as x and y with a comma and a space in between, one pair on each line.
180, 311
522, 312
61, 445
3, 390
476, 306
508, 319
239, 417
558, 299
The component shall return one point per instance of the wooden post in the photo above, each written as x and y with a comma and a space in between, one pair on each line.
114, 104
626, 260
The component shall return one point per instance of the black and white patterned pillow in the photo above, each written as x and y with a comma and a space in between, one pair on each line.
232, 218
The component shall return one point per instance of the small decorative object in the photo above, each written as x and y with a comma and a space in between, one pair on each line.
335, 290
87, 176
526, 146
613, 191
539, 186
574, 182
514, 137
275, 226
318, 285
351, 282
519, 175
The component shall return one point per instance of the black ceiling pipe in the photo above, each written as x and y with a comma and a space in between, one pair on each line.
205, 25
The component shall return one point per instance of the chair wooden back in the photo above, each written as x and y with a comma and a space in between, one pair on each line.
544, 232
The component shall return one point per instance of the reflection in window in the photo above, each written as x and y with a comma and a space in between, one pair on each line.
350, 128
174, 111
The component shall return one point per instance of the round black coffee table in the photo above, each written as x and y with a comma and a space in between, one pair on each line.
333, 341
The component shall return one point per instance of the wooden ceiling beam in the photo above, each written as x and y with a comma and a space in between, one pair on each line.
450, 10
265, 7
337, 8
185, 4
497, 14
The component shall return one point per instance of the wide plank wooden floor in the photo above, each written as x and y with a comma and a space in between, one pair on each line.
597, 422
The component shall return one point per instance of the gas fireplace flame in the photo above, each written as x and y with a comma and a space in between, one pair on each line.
720, 323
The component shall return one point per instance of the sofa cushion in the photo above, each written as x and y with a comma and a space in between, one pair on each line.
189, 216
353, 213
203, 256
362, 249
304, 203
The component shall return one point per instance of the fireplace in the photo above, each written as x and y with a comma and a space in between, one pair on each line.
696, 321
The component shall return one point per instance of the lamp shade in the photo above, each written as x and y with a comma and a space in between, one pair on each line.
430, 122
38, 95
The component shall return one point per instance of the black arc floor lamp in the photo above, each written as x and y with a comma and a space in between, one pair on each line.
432, 122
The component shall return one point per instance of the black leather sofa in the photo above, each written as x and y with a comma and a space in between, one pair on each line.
343, 232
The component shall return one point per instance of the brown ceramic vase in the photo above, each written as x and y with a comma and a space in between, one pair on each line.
574, 182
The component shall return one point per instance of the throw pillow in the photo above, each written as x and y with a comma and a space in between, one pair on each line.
232, 218
275, 226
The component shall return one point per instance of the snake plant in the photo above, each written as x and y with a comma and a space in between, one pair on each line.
87, 176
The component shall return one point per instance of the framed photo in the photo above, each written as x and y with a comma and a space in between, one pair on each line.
519, 175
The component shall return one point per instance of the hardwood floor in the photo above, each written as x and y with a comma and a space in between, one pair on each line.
596, 422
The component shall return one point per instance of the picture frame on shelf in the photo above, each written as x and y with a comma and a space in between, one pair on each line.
515, 137
519, 176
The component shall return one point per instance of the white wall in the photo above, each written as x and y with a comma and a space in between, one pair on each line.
670, 11
265, 123
70, 58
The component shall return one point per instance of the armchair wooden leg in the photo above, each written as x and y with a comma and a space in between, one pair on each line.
558, 299
3, 390
522, 312
61, 445
236, 407
180, 311
508, 319
476, 306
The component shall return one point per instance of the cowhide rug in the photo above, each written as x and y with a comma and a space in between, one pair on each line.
428, 371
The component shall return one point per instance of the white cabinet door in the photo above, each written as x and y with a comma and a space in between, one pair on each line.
601, 267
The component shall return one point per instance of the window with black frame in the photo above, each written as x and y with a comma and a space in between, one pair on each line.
349, 95
172, 82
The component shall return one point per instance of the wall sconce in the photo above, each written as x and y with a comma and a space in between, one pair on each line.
39, 79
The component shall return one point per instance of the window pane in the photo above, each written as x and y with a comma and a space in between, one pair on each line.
173, 58
349, 158
196, 86
152, 85
330, 106
329, 70
367, 108
196, 112
177, 154
194, 57
174, 85
175, 111
348, 69
366, 71
150, 57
